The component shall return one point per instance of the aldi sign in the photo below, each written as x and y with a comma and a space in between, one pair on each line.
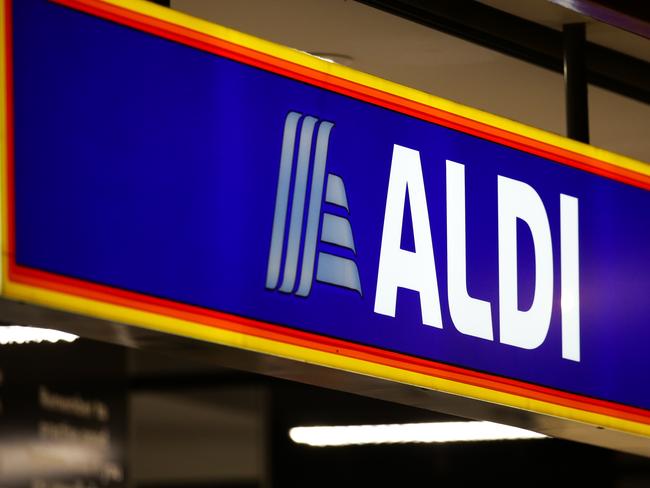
180, 176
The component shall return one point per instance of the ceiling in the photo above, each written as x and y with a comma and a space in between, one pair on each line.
552, 15
408, 53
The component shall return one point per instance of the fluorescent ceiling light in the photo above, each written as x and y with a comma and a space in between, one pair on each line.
15, 334
347, 435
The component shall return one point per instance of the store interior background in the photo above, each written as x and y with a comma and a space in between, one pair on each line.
176, 422
185, 423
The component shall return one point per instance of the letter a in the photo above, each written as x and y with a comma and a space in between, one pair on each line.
405, 269
525, 329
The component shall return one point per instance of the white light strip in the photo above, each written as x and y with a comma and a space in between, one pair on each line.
347, 435
15, 334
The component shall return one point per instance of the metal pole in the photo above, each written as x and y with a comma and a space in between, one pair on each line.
575, 83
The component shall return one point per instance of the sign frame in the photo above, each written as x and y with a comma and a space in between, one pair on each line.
40, 288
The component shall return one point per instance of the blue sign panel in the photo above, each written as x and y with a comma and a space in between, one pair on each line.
158, 168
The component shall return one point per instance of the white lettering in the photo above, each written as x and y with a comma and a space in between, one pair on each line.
405, 269
470, 315
525, 329
416, 270
570, 277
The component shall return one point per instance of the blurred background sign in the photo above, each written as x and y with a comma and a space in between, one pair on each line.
63, 419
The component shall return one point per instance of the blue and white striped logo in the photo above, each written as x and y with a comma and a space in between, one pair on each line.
292, 257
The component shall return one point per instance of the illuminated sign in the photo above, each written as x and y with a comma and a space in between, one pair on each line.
176, 175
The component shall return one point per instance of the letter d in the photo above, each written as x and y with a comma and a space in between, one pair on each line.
526, 329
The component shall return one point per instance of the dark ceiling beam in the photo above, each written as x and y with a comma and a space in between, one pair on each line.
523, 39
575, 83
630, 15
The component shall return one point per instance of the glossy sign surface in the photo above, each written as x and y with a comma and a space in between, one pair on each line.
149, 166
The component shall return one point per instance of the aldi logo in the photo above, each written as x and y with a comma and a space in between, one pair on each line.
299, 215
302, 220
